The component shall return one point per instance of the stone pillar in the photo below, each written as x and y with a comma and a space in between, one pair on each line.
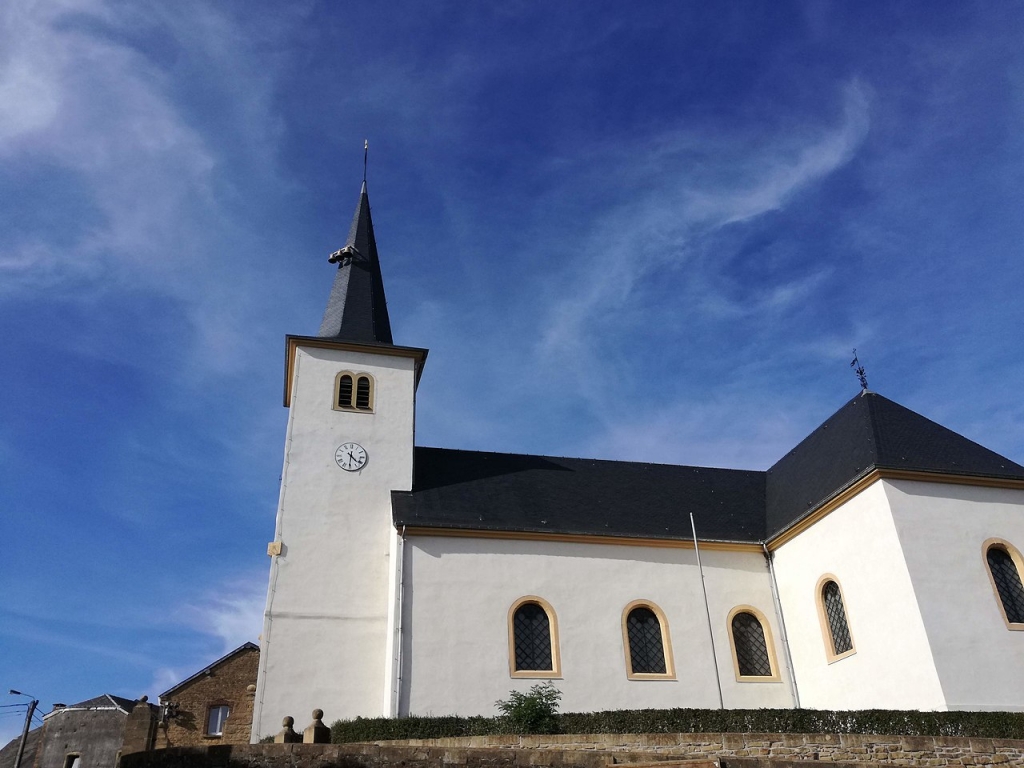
139, 728
287, 735
316, 732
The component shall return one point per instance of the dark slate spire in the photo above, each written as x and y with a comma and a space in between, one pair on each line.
357, 310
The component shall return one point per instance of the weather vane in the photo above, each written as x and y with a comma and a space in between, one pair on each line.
859, 370
366, 151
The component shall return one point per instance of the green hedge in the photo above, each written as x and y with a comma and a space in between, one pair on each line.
1005, 725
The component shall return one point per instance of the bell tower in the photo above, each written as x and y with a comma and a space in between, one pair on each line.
351, 394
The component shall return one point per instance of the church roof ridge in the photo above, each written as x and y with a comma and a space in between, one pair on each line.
530, 492
589, 459
357, 308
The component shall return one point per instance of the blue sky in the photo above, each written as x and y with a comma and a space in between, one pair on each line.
633, 231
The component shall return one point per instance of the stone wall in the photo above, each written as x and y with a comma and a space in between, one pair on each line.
692, 750
94, 734
939, 751
231, 682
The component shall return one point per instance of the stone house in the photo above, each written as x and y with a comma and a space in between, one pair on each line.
91, 734
213, 706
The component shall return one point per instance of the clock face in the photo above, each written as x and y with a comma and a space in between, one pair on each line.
350, 456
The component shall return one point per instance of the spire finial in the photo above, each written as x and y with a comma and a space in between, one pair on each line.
366, 151
859, 370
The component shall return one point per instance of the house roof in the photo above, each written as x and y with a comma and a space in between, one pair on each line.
472, 490
870, 432
208, 669
9, 753
357, 309
545, 494
103, 701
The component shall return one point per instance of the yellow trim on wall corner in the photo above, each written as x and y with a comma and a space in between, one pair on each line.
581, 538
723, 546
292, 343
887, 474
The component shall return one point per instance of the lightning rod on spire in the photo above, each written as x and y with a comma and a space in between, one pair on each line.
859, 370
366, 151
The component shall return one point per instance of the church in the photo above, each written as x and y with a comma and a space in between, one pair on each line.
876, 565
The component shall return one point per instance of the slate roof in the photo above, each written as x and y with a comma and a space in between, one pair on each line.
103, 701
9, 753
357, 309
544, 494
209, 667
870, 432
472, 490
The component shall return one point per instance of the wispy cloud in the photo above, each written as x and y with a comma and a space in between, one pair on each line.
772, 179
669, 229
233, 613
138, 176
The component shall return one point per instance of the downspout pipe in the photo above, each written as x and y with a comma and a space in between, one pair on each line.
707, 611
770, 559
399, 610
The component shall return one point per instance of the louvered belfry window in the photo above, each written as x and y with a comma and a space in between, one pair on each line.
646, 648
838, 629
532, 633
1008, 583
363, 393
345, 391
751, 649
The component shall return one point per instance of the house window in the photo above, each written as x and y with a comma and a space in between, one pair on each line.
835, 627
215, 720
645, 637
353, 392
1004, 570
753, 653
533, 639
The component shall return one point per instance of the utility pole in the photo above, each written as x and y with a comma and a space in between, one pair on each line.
24, 731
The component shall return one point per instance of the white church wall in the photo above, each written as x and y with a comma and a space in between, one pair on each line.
455, 632
892, 666
942, 529
325, 632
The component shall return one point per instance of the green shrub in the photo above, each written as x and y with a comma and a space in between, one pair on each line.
533, 712
1000, 725
388, 728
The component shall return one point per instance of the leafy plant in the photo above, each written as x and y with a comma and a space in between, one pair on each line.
532, 712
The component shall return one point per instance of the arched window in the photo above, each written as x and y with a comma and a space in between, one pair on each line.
353, 392
646, 639
345, 391
533, 639
1004, 569
216, 718
753, 652
835, 626
363, 393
